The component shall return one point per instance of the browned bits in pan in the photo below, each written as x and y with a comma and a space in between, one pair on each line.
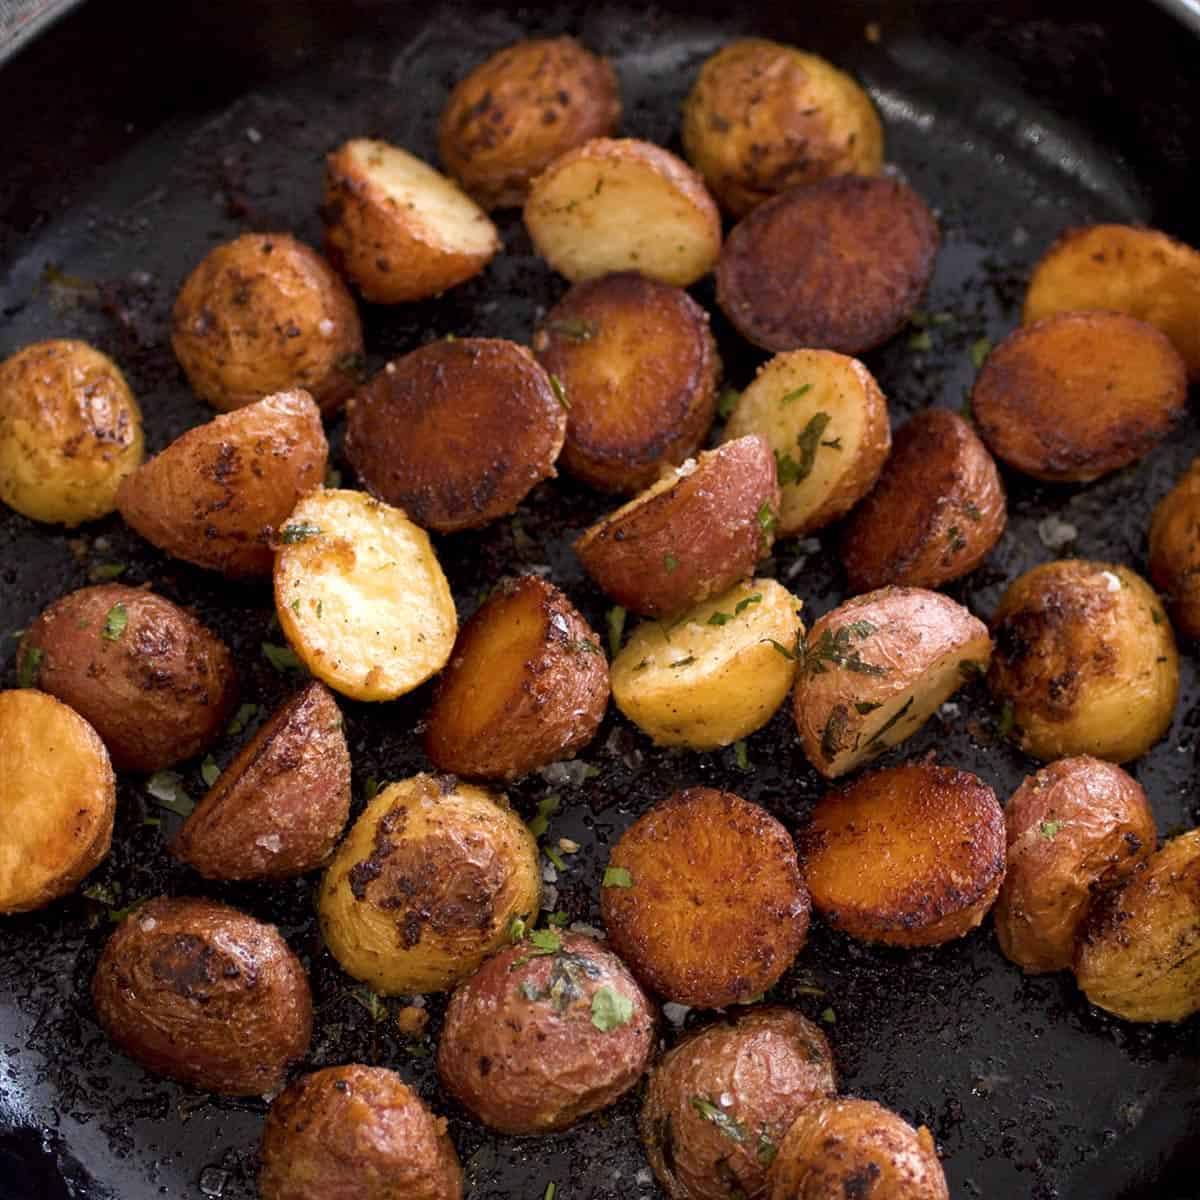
1175, 551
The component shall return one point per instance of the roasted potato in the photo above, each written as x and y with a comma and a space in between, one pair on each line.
1175, 551
1078, 395
157, 686
1085, 662
204, 994
703, 899
458, 432
763, 117
57, 800
514, 114
1076, 826
875, 669
398, 229
838, 265
717, 673
217, 495
936, 512
70, 431
1139, 953
619, 204
694, 534
638, 362
719, 1103
361, 597
826, 422
427, 884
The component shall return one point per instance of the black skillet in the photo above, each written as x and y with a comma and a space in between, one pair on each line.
139, 134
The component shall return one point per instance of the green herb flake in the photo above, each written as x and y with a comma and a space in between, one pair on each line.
741, 606
106, 572
980, 349
615, 619
876, 742
808, 441
787, 469
610, 1009
370, 788
115, 623
970, 670
300, 531
282, 658
373, 1003
719, 618
955, 538
766, 1151
1004, 724
517, 928
29, 665
617, 877
546, 808
295, 606
829, 1016
741, 756
794, 395
560, 392
545, 941
834, 731
728, 1124
972, 511
836, 649
554, 856
244, 715
921, 342
583, 646
779, 648
683, 662
766, 518
1048, 829
209, 771
551, 1188
727, 402
558, 919
670, 562
967, 412
166, 789
117, 915
577, 329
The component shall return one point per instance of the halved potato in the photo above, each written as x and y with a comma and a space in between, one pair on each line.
827, 424
361, 597
397, 228
1175, 551
619, 204
875, 669
715, 674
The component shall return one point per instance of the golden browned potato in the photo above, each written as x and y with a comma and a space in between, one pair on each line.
1078, 395
527, 685
721, 1100
640, 369
70, 431
204, 994
1139, 953
398, 229
839, 265
279, 808
427, 884
156, 685
763, 117
1175, 551
1075, 827
458, 432
57, 800
1085, 661
827, 424
875, 669
703, 899
619, 204
355, 1131
515, 113
217, 495
265, 313
694, 534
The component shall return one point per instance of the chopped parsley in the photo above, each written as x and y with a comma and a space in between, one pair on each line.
615, 619
617, 877
955, 538
610, 1009
796, 393
115, 623
282, 658
167, 790
727, 402
719, 618
373, 1003
104, 572
554, 856
728, 1124
766, 1151
971, 670
670, 562
370, 788
779, 648
299, 531
543, 942
209, 771
921, 341
517, 928
767, 520
1048, 829
835, 648
29, 665
560, 392
245, 714
829, 1016
808, 442
741, 757
980, 349
745, 603
877, 737
1004, 725
972, 510
546, 808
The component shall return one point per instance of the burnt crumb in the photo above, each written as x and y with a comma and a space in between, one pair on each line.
362, 875
485, 1065
859, 1184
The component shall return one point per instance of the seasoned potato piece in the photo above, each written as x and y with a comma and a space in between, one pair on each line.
839, 264
458, 432
717, 673
874, 670
70, 431
935, 839
398, 229
427, 884
720, 1102
696, 532
640, 367
1078, 395
514, 114
1085, 661
154, 683
361, 596
264, 314
217, 495
57, 800
1074, 827
619, 204
1139, 954
703, 899
827, 424
1175, 551
763, 117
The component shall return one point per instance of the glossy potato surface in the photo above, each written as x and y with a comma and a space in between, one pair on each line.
1175, 551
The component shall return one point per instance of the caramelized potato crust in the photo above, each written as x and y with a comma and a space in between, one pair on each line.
1175, 551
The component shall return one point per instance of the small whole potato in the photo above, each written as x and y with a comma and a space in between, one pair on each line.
1175, 551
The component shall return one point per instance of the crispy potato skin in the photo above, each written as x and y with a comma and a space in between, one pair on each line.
717, 909
518, 111
1078, 825
57, 796
936, 512
217, 495
70, 431
160, 690
1086, 658
204, 994
764, 117
769, 1064
1175, 551
356, 1133
640, 367
838, 265
525, 1065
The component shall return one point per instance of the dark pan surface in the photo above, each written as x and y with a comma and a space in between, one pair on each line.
132, 155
